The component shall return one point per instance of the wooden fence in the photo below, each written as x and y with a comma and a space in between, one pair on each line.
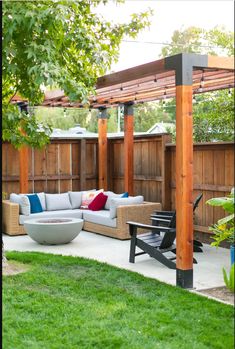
213, 175
73, 165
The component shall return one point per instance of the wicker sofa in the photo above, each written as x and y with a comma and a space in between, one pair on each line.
94, 221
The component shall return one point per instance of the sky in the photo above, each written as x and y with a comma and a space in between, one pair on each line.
168, 16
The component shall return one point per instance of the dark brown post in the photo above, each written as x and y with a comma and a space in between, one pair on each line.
102, 130
183, 65
128, 148
24, 163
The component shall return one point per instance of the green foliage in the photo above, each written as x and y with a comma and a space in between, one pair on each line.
20, 128
62, 43
184, 40
224, 228
213, 117
213, 113
70, 302
56, 43
229, 279
148, 114
201, 41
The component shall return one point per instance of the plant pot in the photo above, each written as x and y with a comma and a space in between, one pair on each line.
232, 254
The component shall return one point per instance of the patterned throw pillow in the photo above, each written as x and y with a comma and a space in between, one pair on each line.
88, 196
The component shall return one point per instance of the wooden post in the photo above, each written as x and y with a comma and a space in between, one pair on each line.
24, 176
183, 65
128, 148
83, 164
166, 173
184, 187
102, 131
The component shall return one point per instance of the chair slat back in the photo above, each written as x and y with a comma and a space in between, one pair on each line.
196, 202
169, 237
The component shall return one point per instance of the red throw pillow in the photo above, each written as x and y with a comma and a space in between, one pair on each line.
98, 202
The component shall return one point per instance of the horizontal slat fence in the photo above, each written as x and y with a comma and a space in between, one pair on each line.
213, 175
61, 166
65, 165
149, 166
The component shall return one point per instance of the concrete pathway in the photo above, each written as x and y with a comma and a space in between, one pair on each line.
207, 273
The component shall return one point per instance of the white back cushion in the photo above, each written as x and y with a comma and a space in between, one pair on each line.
111, 195
23, 202
58, 202
42, 199
75, 198
115, 202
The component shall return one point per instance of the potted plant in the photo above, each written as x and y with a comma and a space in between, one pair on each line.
224, 229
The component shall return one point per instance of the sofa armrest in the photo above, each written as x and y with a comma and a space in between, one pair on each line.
139, 213
10, 218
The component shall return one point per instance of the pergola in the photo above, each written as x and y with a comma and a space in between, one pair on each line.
182, 76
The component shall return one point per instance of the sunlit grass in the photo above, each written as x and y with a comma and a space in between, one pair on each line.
68, 302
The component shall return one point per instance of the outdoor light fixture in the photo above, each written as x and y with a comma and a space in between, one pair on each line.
202, 82
164, 97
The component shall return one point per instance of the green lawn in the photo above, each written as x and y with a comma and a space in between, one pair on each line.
71, 303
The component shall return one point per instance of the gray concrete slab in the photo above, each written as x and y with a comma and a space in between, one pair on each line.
207, 273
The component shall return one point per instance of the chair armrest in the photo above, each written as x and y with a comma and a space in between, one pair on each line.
151, 227
10, 218
140, 213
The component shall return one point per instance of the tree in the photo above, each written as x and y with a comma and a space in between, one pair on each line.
197, 40
213, 112
59, 43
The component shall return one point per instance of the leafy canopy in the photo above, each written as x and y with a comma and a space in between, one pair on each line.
213, 112
57, 43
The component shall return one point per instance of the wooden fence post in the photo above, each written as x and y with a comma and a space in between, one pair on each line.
24, 163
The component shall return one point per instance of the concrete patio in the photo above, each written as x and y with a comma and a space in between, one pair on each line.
207, 273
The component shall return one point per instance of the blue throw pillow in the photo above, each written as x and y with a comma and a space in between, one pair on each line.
125, 195
35, 204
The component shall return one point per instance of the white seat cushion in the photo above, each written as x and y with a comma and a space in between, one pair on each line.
99, 217
52, 214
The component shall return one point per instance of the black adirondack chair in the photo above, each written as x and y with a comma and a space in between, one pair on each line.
159, 240
164, 217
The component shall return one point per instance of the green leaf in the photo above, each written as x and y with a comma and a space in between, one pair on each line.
227, 219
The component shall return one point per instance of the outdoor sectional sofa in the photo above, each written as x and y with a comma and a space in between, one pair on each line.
110, 221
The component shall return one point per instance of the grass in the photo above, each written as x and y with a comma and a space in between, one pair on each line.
73, 303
